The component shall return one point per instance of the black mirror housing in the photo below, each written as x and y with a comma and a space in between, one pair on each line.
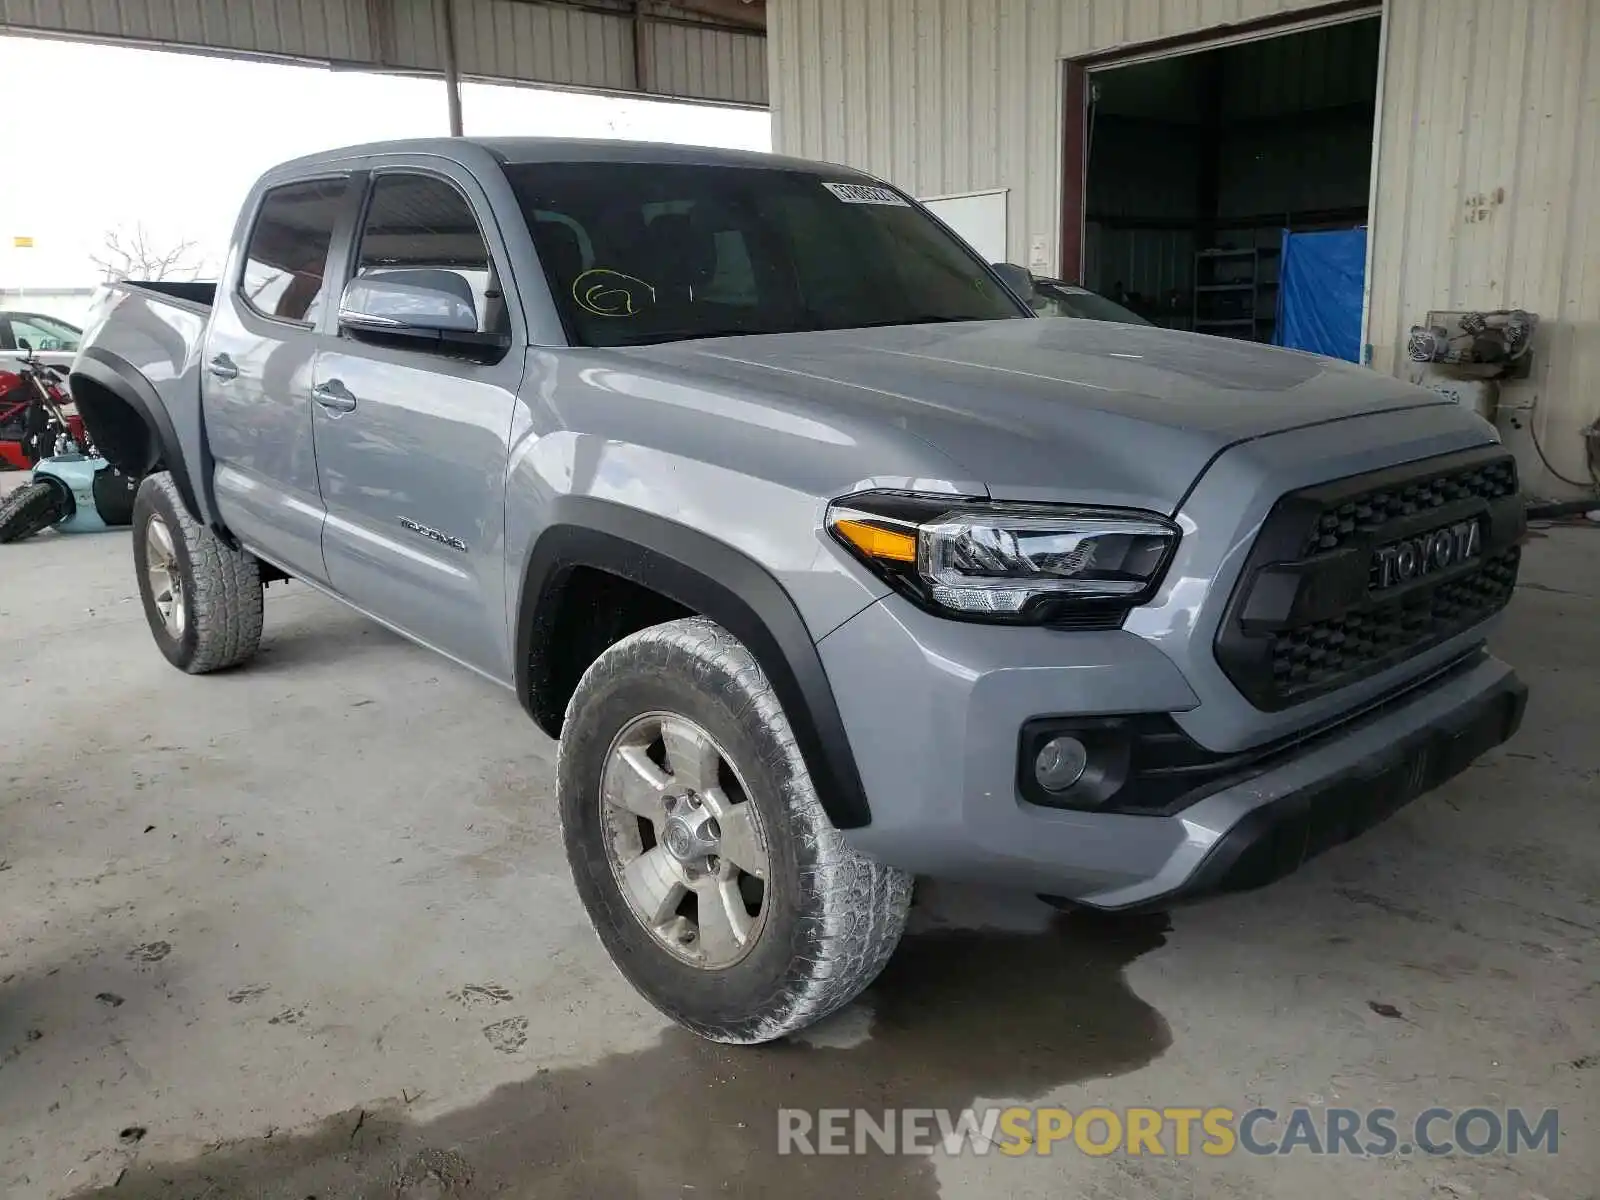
1018, 279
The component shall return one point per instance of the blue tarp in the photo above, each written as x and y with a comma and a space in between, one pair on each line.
1319, 292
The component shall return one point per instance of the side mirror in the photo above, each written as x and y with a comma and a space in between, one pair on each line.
25, 345
387, 304
1018, 279
434, 308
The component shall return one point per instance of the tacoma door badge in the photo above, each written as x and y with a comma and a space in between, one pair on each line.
444, 539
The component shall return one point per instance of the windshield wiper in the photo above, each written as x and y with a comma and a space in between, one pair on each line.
912, 319
690, 335
694, 335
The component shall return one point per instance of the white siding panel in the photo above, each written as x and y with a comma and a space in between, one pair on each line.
944, 96
519, 40
1487, 169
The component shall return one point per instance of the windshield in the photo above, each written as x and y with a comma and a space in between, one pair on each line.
1052, 299
652, 252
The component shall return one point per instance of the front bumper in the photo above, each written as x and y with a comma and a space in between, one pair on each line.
933, 713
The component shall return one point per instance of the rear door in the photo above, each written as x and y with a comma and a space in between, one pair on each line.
412, 444
257, 381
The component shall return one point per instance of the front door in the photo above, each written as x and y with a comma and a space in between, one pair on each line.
411, 444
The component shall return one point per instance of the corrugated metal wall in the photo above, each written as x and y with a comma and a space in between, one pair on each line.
706, 62
517, 40
521, 41
1295, 143
1488, 182
1295, 169
1273, 76
1151, 263
945, 96
1489, 163
325, 29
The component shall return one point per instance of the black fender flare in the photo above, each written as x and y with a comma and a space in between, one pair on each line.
124, 381
710, 578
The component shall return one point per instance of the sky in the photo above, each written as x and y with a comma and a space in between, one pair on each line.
174, 141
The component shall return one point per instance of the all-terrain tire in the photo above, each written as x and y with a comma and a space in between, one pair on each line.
32, 508
832, 916
221, 586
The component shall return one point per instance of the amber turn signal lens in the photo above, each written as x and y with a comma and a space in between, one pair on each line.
886, 544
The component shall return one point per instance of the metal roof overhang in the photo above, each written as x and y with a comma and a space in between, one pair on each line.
713, 51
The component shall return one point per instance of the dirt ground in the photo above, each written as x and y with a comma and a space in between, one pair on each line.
305, 930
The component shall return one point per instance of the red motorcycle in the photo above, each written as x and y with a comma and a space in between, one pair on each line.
27, 400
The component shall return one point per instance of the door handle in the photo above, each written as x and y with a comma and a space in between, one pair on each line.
222, 367
334, 396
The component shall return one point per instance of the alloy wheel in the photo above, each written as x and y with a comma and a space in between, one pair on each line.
166, 578
684, 841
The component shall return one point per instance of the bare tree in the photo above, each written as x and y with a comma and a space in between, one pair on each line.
136, 256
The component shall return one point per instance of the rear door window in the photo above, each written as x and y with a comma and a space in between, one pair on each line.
286, 258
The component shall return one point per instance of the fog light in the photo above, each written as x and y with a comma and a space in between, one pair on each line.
1060, 763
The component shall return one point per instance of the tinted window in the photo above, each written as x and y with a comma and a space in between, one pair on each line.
41, 332
288, 250
421, 226
650, 252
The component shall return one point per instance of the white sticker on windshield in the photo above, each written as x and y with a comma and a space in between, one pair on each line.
861, 193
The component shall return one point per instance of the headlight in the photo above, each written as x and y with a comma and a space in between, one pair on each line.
1037, 563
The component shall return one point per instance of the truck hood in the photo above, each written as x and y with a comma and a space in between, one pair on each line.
1041, 409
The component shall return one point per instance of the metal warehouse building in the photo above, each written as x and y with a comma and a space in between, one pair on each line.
1158, 148
1153, 149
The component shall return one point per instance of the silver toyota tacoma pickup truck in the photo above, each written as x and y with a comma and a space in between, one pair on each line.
828, 562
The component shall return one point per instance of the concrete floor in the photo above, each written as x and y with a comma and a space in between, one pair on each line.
306, 930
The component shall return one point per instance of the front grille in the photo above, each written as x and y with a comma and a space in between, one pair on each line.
1370, 512
1310, 614
1371, 640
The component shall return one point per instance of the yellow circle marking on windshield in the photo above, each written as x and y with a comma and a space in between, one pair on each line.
607, 293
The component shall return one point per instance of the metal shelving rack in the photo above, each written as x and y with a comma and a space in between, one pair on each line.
1233, 295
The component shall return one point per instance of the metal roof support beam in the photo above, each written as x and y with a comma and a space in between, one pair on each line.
452, 68
641, 51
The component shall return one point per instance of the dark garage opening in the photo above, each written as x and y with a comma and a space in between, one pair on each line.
1198, 163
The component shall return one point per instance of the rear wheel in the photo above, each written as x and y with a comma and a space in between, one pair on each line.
699, 848
202, 597
32, 508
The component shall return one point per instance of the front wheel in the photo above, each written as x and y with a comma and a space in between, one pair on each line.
700, 850
33, 508
202, 597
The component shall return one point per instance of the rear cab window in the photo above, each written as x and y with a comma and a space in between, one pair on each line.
286, 258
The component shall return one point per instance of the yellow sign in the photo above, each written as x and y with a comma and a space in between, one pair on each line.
22, 243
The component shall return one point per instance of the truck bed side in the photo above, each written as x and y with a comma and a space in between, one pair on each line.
136, 381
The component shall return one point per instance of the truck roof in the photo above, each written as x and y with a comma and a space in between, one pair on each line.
545, 149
